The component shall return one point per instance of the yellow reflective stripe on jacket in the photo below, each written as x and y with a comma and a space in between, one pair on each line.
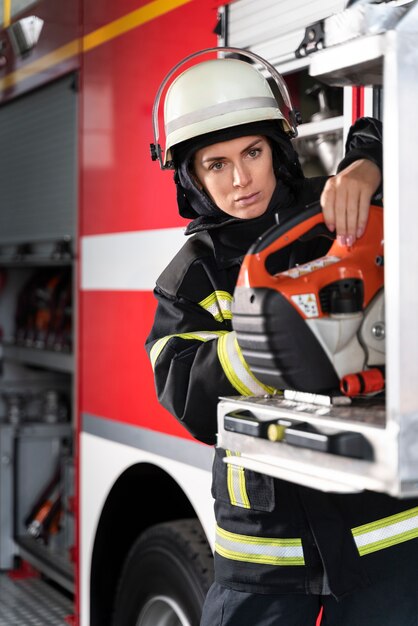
237, 370
263, 550
237, 488
386, 532
218, 304
197, 335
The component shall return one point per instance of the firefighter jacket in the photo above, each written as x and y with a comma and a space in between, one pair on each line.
272, 536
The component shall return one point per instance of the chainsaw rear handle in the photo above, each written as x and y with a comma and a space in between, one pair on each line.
281, 235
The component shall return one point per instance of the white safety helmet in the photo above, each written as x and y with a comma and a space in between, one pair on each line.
217, 94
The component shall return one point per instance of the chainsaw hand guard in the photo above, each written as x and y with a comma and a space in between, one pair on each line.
305, 225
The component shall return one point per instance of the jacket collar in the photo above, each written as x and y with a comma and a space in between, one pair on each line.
232, 239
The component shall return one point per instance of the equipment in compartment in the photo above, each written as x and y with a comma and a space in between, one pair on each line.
44, 517
35, 406
44, 311
50, 518
16, 404
43, 522
50, 406
54, 407
324, 148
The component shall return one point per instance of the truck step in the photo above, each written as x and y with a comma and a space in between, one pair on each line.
32, 602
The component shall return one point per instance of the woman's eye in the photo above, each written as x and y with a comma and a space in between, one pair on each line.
217, 166
254, 152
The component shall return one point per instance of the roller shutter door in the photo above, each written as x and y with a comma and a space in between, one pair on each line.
38, 165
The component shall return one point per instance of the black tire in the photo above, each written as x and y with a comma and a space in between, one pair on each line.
165, 577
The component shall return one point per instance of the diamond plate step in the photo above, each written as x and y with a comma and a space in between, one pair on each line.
32, 602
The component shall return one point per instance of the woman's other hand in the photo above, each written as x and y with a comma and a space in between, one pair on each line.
346, 198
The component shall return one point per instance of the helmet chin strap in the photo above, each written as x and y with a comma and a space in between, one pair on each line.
294, 117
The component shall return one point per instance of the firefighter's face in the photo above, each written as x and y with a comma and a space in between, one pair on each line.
237, 175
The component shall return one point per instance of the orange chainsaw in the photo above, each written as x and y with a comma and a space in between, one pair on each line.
318, 326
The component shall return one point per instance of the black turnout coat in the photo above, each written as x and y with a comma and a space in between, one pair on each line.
272, 536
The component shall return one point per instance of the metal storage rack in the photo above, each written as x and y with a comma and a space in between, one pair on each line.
37, 233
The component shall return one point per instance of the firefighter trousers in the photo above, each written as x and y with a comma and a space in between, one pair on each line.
393, 602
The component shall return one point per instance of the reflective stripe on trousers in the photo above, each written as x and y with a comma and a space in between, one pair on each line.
386, 532
237, 488
378, 535
263, 550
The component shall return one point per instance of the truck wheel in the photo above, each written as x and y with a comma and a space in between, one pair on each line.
165, 577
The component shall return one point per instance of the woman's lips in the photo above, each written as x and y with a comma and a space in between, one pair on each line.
247, 200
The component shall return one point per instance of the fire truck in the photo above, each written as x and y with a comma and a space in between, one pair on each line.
103, 495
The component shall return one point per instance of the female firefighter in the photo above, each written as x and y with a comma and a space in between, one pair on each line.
282, 550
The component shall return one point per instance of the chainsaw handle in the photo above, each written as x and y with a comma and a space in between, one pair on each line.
281, 235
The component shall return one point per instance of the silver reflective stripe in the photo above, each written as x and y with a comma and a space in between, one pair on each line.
237, 488
262, 550
240, 104
219, 305
237, 370
198, 335
386, 532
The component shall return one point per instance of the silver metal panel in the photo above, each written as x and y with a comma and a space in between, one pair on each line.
58, 361
357, 62
32, 602
7, 547
308, 467
329, 125
55, 564
38, 450
38, 191
68, 519
392, 59
401, 250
